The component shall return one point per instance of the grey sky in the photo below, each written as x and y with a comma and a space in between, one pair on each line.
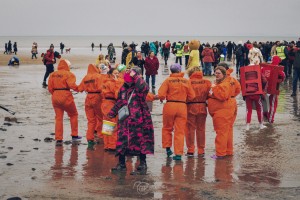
155, 17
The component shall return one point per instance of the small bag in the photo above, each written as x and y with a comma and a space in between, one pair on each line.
123, 113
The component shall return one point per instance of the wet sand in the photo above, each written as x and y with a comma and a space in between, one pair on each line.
265, 164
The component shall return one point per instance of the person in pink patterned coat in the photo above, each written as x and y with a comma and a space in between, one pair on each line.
136, 132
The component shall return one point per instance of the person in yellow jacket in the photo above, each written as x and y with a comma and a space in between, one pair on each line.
130, 56
282, 53
179, 52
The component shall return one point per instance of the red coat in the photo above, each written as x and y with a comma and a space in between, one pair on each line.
49, 57
151, 66
208, 55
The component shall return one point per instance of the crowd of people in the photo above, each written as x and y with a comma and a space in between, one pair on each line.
111, 88
10, 48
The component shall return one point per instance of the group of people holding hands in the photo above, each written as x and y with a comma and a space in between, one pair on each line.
188, 101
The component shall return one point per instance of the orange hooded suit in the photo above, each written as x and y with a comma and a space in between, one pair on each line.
59, 85
197, 113
92, 84
110, 90
220, 108
234, 91
176, 90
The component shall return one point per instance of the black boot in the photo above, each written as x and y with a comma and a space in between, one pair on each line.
120, 167
44, 84
142, 166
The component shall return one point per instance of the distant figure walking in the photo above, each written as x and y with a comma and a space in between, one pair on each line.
49, 57
9, 49
15, 48
93, 45
100, 45
34, 50
6, 50
62, 46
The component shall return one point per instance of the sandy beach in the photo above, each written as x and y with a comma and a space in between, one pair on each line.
264, 165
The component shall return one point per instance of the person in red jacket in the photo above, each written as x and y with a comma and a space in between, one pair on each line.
151, 67
49, 57
273, 98
208, 59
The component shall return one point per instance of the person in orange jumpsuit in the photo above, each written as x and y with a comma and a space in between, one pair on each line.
175, 90
234, 91
59, 85
110, 90
220, 108
92, 84
197, 112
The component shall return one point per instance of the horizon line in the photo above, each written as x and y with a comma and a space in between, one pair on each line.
149, 35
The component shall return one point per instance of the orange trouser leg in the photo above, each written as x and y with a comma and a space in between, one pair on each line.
109, 141
59, 127
73, 114
230, 134
190, 132
221, 121
92, 122
99, 116
200, 132
169, 113
179, 125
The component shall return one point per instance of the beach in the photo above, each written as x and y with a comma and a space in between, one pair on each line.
265, 164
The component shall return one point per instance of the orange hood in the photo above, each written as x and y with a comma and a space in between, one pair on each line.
197, 75
64, 65
92, 69
181, 74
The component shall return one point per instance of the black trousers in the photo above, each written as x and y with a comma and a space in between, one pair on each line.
122, 158
180, 60
49, 70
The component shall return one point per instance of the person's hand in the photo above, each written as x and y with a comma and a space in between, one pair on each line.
213, 85
132, 73
110, 117
156, 97
115, 77
53, 60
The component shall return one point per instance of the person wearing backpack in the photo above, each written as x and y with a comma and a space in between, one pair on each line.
49, 61
186, 53
239, 55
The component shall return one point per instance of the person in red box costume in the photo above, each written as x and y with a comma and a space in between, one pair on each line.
273, 98
255, 59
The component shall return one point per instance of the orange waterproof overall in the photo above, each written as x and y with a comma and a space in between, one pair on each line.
110, 92
100, 122
176, 90
220, 108
91, 84
235, 90
197, 113
59, 84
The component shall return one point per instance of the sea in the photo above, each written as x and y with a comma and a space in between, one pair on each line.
82, 44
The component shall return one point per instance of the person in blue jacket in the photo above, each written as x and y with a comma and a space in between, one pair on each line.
14, 61
153, 48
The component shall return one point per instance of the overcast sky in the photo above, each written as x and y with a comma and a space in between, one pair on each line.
150, 17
